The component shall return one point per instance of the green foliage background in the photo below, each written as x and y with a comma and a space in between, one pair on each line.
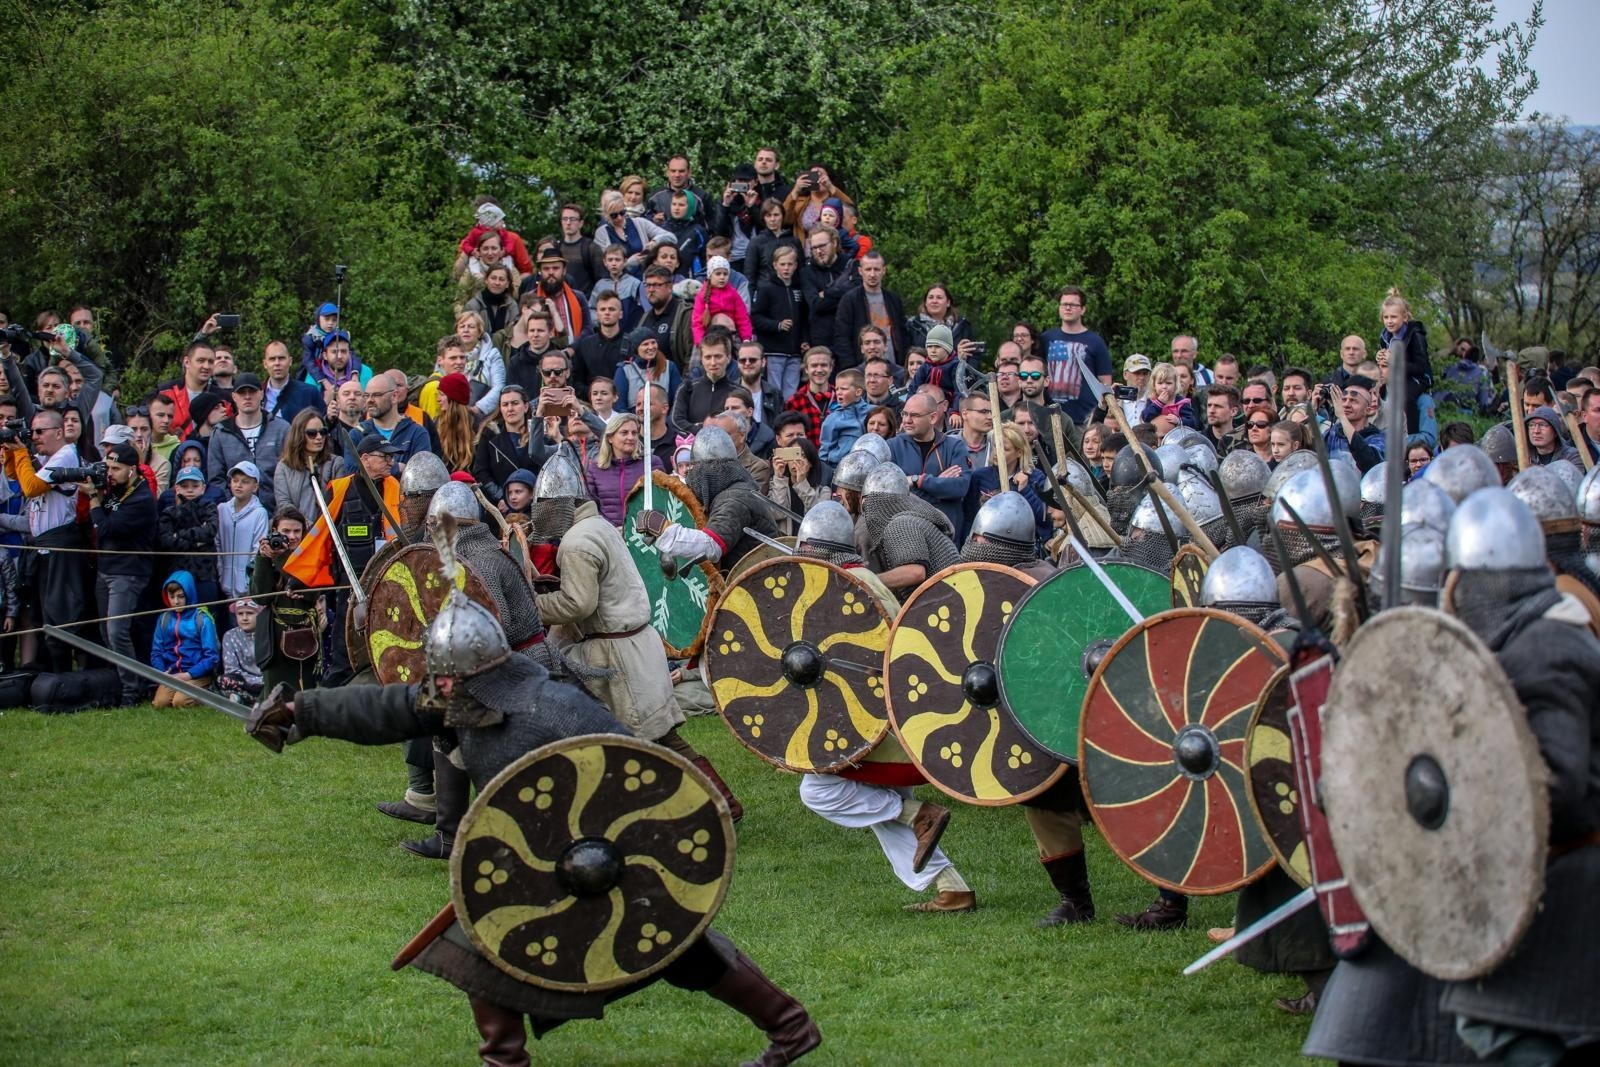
1256, 172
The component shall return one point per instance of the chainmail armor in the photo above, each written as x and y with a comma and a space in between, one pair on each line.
551, 519
878, 509
909, 538
1120, 504
1262, 613
1300, 549
838, 559
975, 551
1219, 533
1148, 550
1371, 517
706, 480
1567, 557
513, 601
413, 509
1492, 602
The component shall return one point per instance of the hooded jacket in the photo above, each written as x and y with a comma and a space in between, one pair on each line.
229, 447
1563, 449
238, 530
186, 639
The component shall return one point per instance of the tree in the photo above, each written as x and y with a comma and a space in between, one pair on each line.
1237, 170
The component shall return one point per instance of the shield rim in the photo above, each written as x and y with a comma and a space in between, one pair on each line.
715, 584
458, 896
1276, 653
355, 639
754, 558
1566, 583
1029, 582
469, 576
1524, 747
1070, 759
1279, 677
1188, 552
861, 589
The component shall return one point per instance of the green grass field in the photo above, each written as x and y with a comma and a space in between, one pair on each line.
172, 893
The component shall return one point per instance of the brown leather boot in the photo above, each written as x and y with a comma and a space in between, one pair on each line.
929, 825
1070, 875
1166, 913
735, 808
790, 1030
453, 791
505, 1039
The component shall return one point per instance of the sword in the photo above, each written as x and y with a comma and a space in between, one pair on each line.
649, 475
1097, 388
1298, 903
383, 505
773, 506
149, 673
426, 936
1105, 579
338, 543
770, 542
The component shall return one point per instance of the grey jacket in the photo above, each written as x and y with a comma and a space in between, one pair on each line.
229, 447
290, 486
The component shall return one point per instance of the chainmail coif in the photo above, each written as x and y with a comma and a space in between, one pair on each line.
551, 519
1566, 554
879, 508
479, 549
1298, 546
711, 477
1496, 604
986, 551
1148, 550
1121, 502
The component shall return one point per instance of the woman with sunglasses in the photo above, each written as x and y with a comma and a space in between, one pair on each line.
618, 226
507, 442
1258, 433
306, 455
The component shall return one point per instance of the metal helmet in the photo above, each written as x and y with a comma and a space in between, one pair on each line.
424, 473
1079, 479
874, 445
1307, 494
1569, 472
827, 525
1375, 483
1425, 504
1007, 518
1241, 575
454, 498
464, 639
1169, 461
1144, 517
712, 442
1422, 566
1499, 444
1589, 497
888, 479
852, 471
1544, 491
1243, 474
1299, 460
1494, 531
1460, 470
560, 478
1126, 469
1180, 435
1199, 451
1199, 497
1347, 480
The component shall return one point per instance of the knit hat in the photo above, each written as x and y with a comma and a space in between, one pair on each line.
837, 205
522, 476
464, 477
716, 263
457, 388
244, 605
201, 407
638, 336
941, 337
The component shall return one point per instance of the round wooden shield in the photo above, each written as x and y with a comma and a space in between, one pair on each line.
1575, 588
1162, 749
1269, 773
760, 554
943, 695
680, 608
355, 641
591, 863
1188, 572
795, 661
1435, 792
407, 592
1043, 646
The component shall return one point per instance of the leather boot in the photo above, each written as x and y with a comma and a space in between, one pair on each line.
928, 825
505, 1039
735, 808
789, 1027
1166, 913
1070, 875
453, 794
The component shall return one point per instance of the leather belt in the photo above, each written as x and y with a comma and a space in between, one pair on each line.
641, 628
536, 639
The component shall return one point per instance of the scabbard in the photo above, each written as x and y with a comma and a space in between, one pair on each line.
425, 937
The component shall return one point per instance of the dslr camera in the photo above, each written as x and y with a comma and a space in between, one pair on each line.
739, 187
277, 541
20, 338
16, 431
95, 473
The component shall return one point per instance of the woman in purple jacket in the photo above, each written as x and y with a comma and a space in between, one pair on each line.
618, 468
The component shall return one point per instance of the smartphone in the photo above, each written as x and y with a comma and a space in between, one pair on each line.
227, 322
561, 402
788, 455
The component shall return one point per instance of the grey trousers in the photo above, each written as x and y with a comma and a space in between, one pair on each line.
118, 594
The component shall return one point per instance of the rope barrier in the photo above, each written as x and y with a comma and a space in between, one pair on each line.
126, 551
306, 593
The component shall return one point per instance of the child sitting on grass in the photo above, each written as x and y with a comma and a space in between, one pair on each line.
241, 678
185, 645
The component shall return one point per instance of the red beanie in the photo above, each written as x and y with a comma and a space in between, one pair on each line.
455, 387
464, 476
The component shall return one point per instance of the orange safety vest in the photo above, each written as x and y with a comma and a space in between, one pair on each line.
311, 563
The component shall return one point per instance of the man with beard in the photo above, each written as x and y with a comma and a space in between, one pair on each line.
569, 312
602, 603
824, 281
502, 706
908, 539
671, 320
732, 502
386, 420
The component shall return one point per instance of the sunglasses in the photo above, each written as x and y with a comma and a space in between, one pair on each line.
317, 432
552, 372
1256, 424
615, 214
1030, 375
749, 361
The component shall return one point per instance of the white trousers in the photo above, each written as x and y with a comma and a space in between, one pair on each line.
844, 802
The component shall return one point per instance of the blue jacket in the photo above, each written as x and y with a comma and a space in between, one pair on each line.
409, 437
294, 398
926, 462
185, 640
841, 428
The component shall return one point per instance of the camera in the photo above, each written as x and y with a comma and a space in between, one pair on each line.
95, 473
1124, 392
16, 431
18, 337
338, 272
815, 175
739, 187
277, 541
979, 349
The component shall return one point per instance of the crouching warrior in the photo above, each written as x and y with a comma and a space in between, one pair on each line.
502, 706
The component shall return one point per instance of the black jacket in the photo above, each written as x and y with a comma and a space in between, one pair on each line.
124, 529
853, 314
499, 454
191, 526
596, 356
758, 253
823, 287
775, 302
698, 399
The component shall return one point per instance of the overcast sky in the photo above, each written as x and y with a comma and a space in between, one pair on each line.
1563, 57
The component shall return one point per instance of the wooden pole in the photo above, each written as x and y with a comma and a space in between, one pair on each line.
1159, 488
1519, 426
1578, 442
997, 441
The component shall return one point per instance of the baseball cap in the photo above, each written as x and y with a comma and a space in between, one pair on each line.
334, 335
190, 474
244, 466
247, 380
117, 434
376, 442
123, 453
330, 308
1135, 362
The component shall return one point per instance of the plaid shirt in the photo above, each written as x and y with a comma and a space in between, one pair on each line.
814, 406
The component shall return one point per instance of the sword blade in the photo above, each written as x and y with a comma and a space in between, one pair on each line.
149, 673
770, 542
1105, 579
338, 543
775, 507
1394, 482
1302, 900
649, 479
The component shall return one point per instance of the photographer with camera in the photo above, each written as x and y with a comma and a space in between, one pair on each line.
802, 208
52, 522
123, 511
288, 634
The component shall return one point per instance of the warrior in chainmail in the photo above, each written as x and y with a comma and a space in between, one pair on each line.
732, 502
502, 706
423, 475
604, 610
1552, 503
908, 539
1127, 488
1308, 495
1241, 582
1374, 488
477, 547
1147, 542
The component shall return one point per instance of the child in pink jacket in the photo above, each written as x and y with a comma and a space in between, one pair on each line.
717, 297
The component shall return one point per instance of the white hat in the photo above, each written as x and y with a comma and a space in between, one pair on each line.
117, 434
244, 466
716, 263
